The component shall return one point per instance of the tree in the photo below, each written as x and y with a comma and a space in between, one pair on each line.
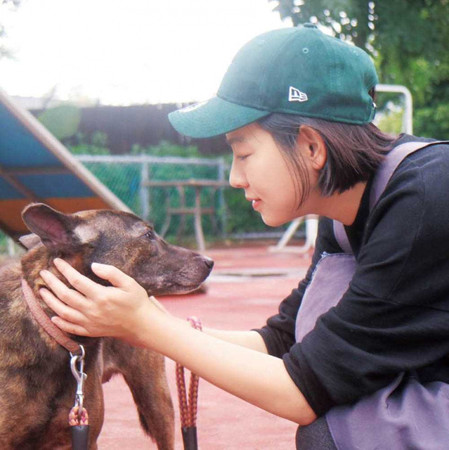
407, 39
5, 4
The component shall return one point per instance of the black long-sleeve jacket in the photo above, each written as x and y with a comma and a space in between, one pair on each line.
394, 316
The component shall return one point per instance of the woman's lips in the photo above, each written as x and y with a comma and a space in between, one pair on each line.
255, 203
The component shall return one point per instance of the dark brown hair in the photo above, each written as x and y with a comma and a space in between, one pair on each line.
353, 151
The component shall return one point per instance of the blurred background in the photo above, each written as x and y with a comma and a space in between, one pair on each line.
102, 75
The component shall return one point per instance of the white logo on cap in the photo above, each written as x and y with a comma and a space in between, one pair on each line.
295, 95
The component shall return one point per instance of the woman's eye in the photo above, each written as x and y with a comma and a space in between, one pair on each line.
242, 157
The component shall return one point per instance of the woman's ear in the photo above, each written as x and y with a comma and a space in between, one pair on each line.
312, 146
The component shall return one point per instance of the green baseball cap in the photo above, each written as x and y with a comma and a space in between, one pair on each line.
296, 70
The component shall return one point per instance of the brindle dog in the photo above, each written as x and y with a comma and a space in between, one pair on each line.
37, 386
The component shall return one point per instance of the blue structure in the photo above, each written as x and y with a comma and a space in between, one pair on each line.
36, 167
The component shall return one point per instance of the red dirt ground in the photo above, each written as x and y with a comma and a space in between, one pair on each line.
232, 301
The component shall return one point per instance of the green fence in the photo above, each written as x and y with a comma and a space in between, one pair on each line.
126, 175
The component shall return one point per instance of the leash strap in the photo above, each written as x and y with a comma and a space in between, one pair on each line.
80, 437
188, 408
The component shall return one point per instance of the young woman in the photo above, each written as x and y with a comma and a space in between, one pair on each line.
296, 107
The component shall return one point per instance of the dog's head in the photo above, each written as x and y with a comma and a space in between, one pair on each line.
120, 239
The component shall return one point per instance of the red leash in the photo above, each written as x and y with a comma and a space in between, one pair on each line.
188, 408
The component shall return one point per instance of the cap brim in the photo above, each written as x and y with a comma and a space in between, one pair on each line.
213, 118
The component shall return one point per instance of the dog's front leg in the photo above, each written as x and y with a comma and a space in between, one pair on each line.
144, 372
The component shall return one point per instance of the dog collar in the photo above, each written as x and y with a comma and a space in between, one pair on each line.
44, 321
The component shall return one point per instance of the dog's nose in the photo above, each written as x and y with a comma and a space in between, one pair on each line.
209, 262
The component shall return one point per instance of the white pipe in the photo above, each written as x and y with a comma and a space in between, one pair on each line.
407, 121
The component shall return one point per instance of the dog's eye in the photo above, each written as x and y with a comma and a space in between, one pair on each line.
150, 235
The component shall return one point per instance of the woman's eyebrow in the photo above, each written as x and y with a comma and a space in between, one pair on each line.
234, 139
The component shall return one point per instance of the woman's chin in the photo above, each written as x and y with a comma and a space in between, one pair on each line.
272, 221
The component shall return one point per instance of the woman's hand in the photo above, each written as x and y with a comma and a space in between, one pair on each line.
90, 309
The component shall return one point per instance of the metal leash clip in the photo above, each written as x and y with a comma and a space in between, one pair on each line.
80, 377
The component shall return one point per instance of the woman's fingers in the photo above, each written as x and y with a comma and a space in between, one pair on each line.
71, 328
60, 308
63, 292
67, 315
80, 282
115, 276
88, 287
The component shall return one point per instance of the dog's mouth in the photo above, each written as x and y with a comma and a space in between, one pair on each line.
174, 289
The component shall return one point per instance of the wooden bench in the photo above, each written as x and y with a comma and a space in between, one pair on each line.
197, 210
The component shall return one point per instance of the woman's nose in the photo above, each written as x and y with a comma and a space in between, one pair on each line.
237, 178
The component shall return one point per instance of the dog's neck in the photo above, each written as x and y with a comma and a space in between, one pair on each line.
44, 321
39, 258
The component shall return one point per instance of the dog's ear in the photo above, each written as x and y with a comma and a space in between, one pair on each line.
54, 228
30, 241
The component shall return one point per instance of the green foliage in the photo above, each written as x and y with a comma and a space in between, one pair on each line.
242, 218
434, 121
408, 40
62, 121
348, 19
166, 148
122, 179
391, 121
96, 145
3, 244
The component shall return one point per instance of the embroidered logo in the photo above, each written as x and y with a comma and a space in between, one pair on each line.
295, 95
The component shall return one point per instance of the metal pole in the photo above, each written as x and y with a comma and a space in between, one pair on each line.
145, 191
407, 119
11, 247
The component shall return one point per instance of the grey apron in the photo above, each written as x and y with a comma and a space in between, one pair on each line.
404, 415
